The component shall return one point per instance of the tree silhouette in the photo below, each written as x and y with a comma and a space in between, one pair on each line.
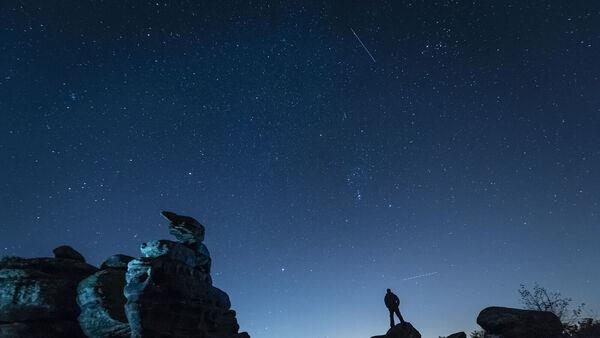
541, 299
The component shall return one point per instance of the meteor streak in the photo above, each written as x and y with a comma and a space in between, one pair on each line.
363, 45
421, 276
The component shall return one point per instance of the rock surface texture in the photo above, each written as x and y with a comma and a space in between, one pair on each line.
516, 323
169, 289
102, 302
404, 330
37, 295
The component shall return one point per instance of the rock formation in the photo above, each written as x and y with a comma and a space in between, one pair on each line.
37, 295
516, 323
404, 330
167, 292
186, 229
169, 289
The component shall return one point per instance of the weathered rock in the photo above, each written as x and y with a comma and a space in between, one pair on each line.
37, 296
164, 295
514, 323
102, 302
404, 330
458, 335
195, 258
40, 288
169, 293
67, 252
185, 228
117, 261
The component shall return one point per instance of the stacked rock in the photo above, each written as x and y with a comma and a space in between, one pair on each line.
169, 289
37, 295
167, 292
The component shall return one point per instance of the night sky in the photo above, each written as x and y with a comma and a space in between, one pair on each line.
452, 157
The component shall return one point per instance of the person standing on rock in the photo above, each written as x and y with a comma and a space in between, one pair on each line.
392, 302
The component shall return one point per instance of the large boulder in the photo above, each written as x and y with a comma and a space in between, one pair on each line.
37, 295
516, 323
403, 330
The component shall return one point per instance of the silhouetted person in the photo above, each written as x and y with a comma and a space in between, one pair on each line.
392, 302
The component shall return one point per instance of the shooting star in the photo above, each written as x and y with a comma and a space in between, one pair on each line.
363, 45
421, 276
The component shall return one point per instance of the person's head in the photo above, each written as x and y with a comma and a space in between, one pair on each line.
389, 291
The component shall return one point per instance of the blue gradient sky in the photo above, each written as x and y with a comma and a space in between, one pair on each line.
467, 153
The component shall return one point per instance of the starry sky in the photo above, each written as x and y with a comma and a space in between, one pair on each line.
449, 150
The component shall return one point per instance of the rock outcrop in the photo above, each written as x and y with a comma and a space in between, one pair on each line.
167, 292
517, 323
37, 295
169, 289
404, 330
102, 302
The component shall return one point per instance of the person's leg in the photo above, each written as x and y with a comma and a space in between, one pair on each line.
397, 311
391, 318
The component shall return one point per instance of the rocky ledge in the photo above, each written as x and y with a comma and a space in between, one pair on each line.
404, 330
167, 292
